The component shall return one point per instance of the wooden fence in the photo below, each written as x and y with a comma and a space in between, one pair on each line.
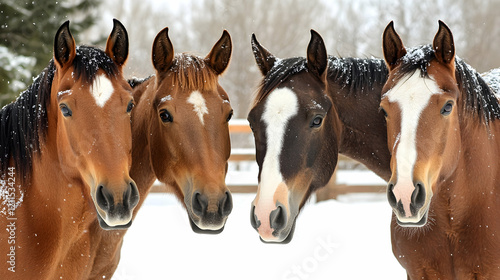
334, 188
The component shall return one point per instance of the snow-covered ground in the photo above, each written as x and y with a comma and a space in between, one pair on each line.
336, 239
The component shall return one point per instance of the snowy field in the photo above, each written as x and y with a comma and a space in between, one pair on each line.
337, 239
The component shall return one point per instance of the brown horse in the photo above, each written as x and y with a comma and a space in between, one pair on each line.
180, 131
306, 112
180, 136
65, 147
442, 125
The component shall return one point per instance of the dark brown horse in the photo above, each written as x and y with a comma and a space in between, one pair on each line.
442, 125
65, 147
181, 133
306, 112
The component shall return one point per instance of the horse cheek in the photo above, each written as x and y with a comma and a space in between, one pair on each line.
158, 151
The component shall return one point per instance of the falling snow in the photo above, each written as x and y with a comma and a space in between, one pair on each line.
19, 66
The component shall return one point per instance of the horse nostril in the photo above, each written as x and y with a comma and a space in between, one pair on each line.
254, 221
226, 204
199, 204
390, 195
418, 195
277, 218
131, 196
104, 198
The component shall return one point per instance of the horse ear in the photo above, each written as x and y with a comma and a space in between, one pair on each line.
64, 46
443, 45
264, 59
393, 46
163, 51
317, 58
117, 44
220, 55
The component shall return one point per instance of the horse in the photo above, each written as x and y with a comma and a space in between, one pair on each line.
442, 127
180, 136
181, 133
306, 112
65, 147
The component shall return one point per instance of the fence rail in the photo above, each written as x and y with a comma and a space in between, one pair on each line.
339, 183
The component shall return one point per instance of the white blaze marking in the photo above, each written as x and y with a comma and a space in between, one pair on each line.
282, 104
102, 89
199, 104
412, 96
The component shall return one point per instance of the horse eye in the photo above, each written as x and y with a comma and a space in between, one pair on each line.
383, 111
230, 116
165, 116
130, 106
446, 110
65, 110
317, 121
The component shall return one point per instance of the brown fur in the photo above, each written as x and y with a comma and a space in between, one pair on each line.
185, 155
345, 92
57, 232
458, 156
191, 73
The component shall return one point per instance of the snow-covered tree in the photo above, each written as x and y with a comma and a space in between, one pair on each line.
27, 30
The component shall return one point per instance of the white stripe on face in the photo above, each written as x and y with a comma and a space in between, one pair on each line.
199, 104
412, 94
282, 104
102, 89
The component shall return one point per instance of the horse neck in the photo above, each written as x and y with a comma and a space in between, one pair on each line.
364, 133
141, 170
479, 151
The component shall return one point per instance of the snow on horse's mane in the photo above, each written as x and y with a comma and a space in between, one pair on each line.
492, 78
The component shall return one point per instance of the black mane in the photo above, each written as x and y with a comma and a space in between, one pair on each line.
24, 122
359, 74
280, 72
134, 82
477, 97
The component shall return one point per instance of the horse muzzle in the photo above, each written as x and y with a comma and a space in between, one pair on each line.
114, 207
208, 214
410, 210
274, 226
